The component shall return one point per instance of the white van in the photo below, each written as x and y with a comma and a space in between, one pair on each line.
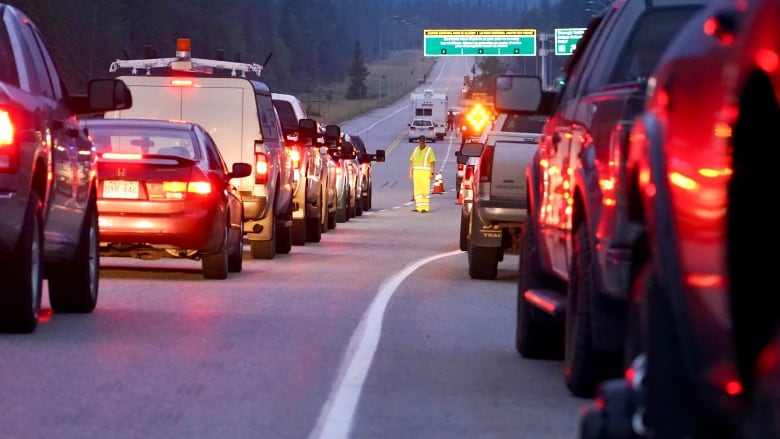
240, 116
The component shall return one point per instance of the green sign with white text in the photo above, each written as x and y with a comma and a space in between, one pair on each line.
566, 40
479, 42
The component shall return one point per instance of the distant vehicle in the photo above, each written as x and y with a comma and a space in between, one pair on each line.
431, 105
240, 116
499, 206
422, 127
48, 189
309, 169
365, 160
334, 139
165, 191
348, 153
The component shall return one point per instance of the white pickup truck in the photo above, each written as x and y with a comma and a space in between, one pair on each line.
500, 204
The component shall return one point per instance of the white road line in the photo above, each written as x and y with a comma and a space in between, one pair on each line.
336, 417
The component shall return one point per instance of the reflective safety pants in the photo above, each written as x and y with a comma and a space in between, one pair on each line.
422, 189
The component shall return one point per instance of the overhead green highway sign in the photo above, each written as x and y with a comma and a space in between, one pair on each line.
566, 40
479, 42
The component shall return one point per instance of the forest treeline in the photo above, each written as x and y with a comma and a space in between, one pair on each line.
311, 42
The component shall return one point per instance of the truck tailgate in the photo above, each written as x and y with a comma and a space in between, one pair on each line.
509, 162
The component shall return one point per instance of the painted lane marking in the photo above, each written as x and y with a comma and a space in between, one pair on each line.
338, 412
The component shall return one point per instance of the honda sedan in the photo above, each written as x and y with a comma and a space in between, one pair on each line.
165, 191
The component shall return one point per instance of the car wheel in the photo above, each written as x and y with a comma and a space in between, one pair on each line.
283, 238
483, 261
20, 294
236, 256
314, 229
73, 286
584, 366
464, 232
359, 206
215, 265
537, 334
366, 199
299, 231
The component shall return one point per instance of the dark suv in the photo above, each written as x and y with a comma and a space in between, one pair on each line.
49, 224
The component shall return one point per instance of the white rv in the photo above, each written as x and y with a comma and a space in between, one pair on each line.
430, 105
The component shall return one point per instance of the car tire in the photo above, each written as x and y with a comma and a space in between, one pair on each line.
73, 286
464, 232
537, 334
585, 366
332, 220
366, 199
483, 261
236, 255
359, 206
313, 229
299, 231
215, 265
283, 238
20, 295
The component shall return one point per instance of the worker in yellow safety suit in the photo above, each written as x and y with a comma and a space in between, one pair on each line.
421, 166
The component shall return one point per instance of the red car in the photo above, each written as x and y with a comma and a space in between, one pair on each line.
701, 161
165, 191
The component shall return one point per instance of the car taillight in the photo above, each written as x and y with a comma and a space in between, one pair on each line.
9, 149
6, 129
295, 156
261, 168
486, 164
460, 166
198, 185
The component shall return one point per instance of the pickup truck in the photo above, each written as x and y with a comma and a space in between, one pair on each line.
572, 281
499, 206
48, 189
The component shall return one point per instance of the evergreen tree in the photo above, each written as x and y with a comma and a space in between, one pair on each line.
357, 75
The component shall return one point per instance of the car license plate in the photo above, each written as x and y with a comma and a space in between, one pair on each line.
120, 189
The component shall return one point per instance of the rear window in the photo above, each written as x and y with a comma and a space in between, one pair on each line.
287, 116
654, 32
517, 123
8, 73
422, 123
144, 140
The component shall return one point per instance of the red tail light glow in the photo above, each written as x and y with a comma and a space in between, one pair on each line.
9, 150
295, 155
261, 169
121, 156
182, 82
6, 129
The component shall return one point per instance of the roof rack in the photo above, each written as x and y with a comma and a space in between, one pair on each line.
183, 62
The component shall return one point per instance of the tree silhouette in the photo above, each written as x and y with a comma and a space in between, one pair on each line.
358, 73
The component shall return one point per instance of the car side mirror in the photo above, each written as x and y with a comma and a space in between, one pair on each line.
379, 156
240, 170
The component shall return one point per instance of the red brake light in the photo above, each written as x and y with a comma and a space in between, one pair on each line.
121, 156
261, 169
182, 82
9, 150
6, 128
295, 155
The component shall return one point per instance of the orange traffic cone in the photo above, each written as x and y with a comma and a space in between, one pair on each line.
438, 184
